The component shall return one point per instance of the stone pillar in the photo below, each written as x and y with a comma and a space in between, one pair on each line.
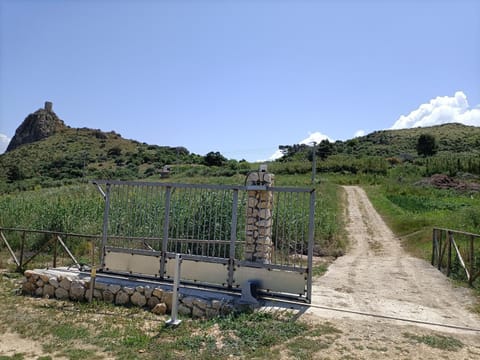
259, 220
48, 105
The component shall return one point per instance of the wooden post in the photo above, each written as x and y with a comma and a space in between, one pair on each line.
92, 246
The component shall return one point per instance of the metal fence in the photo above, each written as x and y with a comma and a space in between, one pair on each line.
456, 253
146, 224
48, 249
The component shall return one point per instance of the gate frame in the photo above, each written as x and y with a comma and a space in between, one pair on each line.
233, 264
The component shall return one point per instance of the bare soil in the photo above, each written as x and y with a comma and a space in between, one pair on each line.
378, 277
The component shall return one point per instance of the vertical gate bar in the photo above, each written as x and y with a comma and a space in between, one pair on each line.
233, 238
439, 265
311, 230
472, 259
168, 194
105, 226
434, 245
449, 253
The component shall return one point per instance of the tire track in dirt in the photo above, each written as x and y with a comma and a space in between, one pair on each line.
377, 276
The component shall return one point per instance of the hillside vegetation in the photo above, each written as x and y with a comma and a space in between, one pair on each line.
73, 155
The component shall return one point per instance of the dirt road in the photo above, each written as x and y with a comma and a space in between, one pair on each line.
376, 276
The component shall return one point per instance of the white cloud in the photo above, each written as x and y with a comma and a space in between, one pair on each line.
4, 141
359, 133
276, 155
315, 137
441, 110
309, 140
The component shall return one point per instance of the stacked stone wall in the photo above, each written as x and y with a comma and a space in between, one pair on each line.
43, 283
259, 243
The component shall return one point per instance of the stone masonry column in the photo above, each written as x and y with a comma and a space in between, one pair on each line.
258, 237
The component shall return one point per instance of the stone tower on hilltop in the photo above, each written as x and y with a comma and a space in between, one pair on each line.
37, 126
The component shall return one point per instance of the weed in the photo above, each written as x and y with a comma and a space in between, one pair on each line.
436, 341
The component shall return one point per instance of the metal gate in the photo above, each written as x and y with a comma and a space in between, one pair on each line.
146, 224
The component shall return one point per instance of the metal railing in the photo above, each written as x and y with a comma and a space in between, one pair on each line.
40, 248
456, 253
205, 223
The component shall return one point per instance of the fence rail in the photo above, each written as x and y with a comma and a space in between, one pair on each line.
456, 253
43, 248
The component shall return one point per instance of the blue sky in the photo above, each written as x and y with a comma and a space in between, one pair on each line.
240, 77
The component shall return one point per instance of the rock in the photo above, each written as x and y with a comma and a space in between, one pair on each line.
108, 296
167, 299
28, 273
188, 301
152, 301
216, 304
201, 303
28, 288
100, 286
148, 291
160, 309
39, 283
39, 291
158, 293
138, 299
184, 310
122, 298
54, 282
61, 294
66, 283
97, 294
37, 126
211, 313
114, 288
129, 290
197, 312
77, 291
45, 278
140, 289
48, 291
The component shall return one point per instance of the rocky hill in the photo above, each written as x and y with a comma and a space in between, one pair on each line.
37, 126
46, 152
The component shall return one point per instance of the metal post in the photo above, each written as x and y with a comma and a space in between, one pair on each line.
311, 231
434, 245
105, 225
440, 251
166, 224
22, 249
176, 283
314, 162
233, 239
472, 260
449, 253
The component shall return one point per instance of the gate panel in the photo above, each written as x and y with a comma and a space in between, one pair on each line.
145, 224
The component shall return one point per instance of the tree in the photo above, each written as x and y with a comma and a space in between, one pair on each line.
214, 159
427, 145
324, 149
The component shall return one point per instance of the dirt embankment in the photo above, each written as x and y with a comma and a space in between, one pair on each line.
376, 276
